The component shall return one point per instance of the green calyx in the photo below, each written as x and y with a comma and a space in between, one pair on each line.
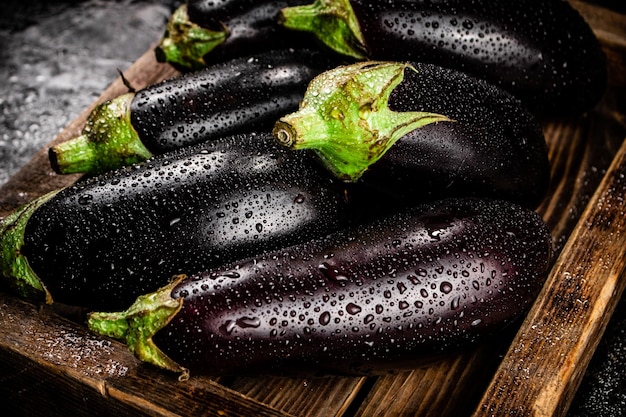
332, 21
108, 141
185, 43
14, 267
345, 118
137, 325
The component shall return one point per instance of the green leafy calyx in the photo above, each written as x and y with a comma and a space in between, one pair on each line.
332, 21
137, 325
15, 269
185, 43
345, 118
108, 141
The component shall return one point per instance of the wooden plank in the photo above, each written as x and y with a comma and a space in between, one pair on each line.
435, 391
317, 397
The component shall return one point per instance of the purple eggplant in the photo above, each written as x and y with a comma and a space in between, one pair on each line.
238, 96
388, 295
542, 51
419, 131
109, 238
204, 32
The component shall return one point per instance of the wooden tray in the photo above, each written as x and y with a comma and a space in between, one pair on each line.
52, 366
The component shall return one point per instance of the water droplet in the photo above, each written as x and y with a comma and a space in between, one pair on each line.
325, 318
445, 287
332, 273
468, 24
85, 199
245, 322
352, 308
228, 327
414, 280
434, 234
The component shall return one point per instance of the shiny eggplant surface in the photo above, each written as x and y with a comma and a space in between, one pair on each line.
383, 296
542, 51
107, 239
238, 96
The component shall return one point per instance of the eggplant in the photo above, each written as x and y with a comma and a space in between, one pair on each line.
542, 51
204, 32
109, 238
384, 296
417, 131
239, 96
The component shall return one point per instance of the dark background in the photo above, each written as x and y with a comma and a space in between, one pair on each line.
57, 56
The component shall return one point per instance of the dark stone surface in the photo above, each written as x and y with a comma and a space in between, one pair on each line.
56, 57
603, 389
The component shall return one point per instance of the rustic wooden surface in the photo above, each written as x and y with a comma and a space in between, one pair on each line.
50, 365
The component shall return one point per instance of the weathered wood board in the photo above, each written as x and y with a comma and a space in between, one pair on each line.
52, 365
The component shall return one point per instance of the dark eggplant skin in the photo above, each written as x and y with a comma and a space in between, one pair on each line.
493, 147
256, 29
242, 95
542, 51
385, 296
490, 145
107, 239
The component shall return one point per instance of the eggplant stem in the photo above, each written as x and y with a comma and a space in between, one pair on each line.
332, 21
108, 141
15, 269
185, 43
140, 322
